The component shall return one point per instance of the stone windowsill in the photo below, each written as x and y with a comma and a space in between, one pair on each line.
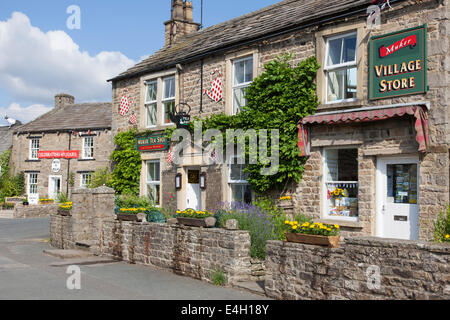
324, 107
84, 160
32, 160
343, 223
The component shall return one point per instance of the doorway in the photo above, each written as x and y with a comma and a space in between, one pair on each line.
398, 198
54, 186
193, 191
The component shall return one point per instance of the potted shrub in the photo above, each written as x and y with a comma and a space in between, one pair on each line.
130, 214
194, 218
313, 233
64, 209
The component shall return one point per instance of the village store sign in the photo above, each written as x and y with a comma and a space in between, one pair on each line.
152, 143
397, 64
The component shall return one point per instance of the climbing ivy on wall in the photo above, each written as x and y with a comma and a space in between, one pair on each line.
127, 164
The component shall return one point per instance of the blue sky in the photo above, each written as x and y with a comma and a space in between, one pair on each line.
40, 56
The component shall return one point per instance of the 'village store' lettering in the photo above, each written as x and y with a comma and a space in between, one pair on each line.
395, 69
398, 64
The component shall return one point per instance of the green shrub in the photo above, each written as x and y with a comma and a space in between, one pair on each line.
218, 277
132, 201
101, 177
62, 198
442, 226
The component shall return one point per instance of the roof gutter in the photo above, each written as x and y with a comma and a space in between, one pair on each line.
251, 41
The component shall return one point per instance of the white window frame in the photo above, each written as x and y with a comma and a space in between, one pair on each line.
151, 182
167, 99
83, 181
34, 148
243, 85
85, 148
341, 66
151, 102
32, 182
325, 205
235, 182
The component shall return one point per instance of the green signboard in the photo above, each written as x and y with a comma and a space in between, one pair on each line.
398, 64
152, 143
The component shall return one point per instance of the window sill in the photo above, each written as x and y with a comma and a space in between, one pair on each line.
343, 223
33, 160
339, 105
84, 160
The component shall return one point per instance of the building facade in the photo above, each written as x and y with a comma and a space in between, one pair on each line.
380, 134
62, 148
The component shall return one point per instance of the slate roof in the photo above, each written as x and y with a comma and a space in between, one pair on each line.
282, 16
88, 116
6, 136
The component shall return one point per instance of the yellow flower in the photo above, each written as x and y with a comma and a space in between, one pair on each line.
336, 226
294, 227
447, 236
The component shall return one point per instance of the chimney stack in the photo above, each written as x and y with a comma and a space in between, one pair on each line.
181, 23
63, 99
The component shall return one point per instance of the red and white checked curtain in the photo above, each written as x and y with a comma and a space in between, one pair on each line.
419, 112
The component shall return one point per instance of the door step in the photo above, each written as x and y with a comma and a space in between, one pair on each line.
89, 261
68, 254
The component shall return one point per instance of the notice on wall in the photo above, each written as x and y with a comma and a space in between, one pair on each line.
397, 64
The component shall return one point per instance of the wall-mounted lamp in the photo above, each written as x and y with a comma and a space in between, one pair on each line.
203, 181
178, 180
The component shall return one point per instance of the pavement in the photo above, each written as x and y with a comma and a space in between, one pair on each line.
27, 273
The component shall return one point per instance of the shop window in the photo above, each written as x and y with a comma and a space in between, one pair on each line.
239, 187
151, 103
242, 79
168, 100
86, 179
341, 184
154, 181
32, 183
88, 147
341, 68
34, 149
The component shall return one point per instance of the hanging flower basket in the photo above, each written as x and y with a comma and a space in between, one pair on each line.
313, 233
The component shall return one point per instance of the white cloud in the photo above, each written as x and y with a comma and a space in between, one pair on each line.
36, 65
24, 114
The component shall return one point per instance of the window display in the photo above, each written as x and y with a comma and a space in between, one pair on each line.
402, 183
341, 185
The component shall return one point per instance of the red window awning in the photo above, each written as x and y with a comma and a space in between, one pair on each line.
418, 111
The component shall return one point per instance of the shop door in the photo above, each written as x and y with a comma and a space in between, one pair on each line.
54, 186
193, 192
398, 198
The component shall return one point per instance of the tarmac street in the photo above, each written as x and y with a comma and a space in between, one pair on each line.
27, 273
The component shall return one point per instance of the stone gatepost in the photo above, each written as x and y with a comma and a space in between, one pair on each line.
91, 207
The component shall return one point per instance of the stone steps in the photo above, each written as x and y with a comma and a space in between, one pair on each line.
256, 287
68, 254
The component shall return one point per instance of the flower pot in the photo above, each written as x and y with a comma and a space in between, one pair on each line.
194, 222
330, 242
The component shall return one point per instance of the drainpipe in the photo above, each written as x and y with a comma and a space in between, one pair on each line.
201, 85
68, 163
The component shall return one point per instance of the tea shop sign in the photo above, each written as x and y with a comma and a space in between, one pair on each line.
398, 64
152, 143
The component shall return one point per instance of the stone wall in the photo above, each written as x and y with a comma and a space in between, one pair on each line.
26, 212
187, 251
91, 207
408, 270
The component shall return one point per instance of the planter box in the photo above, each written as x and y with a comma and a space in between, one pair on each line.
65, 213
46, 202
330, 242
127, 217
193, 222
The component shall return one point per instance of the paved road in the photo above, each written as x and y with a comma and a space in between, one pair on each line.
25, 273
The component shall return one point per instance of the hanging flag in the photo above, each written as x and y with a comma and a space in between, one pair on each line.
213, 156
216, 91
125, 103
133, 119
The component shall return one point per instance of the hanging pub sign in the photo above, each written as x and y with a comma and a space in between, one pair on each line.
152, 143
181, 118
398, 64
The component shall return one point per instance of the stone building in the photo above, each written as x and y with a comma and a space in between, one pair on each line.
62, 148
381, 132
